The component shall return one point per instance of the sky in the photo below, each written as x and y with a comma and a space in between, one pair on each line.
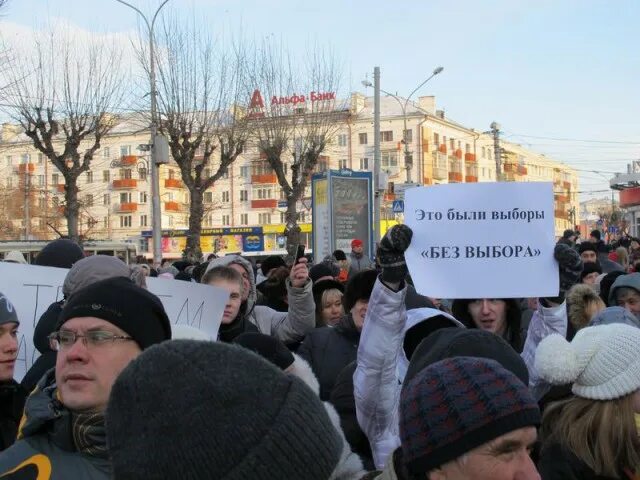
561, 77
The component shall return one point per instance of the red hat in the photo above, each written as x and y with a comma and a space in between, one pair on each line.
356, 242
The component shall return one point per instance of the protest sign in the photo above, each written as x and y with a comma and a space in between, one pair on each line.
484, 240
32, 289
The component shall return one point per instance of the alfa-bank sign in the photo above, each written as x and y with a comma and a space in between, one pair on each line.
256, 106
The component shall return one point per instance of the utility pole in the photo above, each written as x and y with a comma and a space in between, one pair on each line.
156, 147
376, 156
27, 215
497, 151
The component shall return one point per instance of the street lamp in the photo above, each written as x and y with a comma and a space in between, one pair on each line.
156, 216
408, 159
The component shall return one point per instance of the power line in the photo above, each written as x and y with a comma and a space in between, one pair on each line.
559, 139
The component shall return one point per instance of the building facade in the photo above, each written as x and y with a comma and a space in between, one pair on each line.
245, 210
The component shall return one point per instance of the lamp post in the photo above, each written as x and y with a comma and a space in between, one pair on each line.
408, 159
156, 214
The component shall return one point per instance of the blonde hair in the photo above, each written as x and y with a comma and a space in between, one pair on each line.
324, 299
623, 257
602, 434
583, 303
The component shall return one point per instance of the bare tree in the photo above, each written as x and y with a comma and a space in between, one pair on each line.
295, 115
62, 93
198, 104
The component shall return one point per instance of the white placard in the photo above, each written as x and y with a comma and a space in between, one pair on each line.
483, 240
32, 289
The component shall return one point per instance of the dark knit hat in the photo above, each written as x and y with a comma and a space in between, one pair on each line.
458, 404
586, 247
596, 234
322, 269
589, 268
339, 255
460, 342
271, 262
120, 302
606, 283
359, 287
568, 234
8, 312
61, 253
267, 347
236, 417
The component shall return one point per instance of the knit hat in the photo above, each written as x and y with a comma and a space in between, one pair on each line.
322, 269
268, 347
339, 255
15, 256
461, 342
586, 247
601, 362
8, 312
588, 268
359, 287
236, 416
92, 269
596, 234
568, 234
61, 253
607, 282
614, 315
356, 242
271, 262
118, 301
458, 404
631, 280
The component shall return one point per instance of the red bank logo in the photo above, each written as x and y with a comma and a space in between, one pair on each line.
256, 105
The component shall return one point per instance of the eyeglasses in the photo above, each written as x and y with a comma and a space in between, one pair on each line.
96, 338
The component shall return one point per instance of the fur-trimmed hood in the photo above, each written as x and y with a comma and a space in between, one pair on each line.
579, 297
228, 260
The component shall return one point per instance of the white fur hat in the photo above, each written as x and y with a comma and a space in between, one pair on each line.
602, 362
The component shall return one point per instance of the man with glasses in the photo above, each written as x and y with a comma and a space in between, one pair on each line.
102, 328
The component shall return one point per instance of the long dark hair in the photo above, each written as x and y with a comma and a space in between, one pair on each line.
513, 336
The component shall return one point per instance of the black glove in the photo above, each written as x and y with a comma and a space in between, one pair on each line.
391, 253
570, 267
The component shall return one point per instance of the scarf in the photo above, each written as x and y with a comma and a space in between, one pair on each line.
89, 434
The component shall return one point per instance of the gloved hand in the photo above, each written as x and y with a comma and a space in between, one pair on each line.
569, 266
391, 253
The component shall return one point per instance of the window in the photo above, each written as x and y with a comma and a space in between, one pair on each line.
264, 218
342, 140
244, 172
386, 136
9, 160
88, 200
125, 221
42, 223
89, 177
208, 197
362, 138
143, 197
170, 220
142, 173
389, 159
226, 220
225, 197
207, 220
26, 158
244, 219
125, 173
467, 148
106, 176
105, 222
283, 217
342, 164
364, 164
40, 159
302, 217
41, 202
322, 166
41, 180
452, 143
55, 201
408, 135
225, 175
143, 220
125, 197
172, 174
55, 178
244, 195
283, 196
125, 149
436, 139
106, 199
206, 173
106, 153
484, 152
489, 153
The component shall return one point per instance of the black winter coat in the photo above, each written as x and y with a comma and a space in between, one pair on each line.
328, 350
558, 463
12, 398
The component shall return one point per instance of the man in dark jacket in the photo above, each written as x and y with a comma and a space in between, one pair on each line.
11, 394
102, 328
329, 349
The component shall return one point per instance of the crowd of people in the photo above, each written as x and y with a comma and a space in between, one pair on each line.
336, 370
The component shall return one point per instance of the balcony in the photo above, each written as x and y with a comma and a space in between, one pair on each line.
26, 168
470, 157
561, 214
125, 183
60, 188
129, 160
562, 198
439, 165
458, 154
127, 207
471, 179
455, 177
172, 207
630, 197
442, 148
264, 203
566, 185
173, 183
509, 167
266, 178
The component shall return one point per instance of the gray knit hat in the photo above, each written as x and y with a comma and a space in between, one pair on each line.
8, 312
235, 416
